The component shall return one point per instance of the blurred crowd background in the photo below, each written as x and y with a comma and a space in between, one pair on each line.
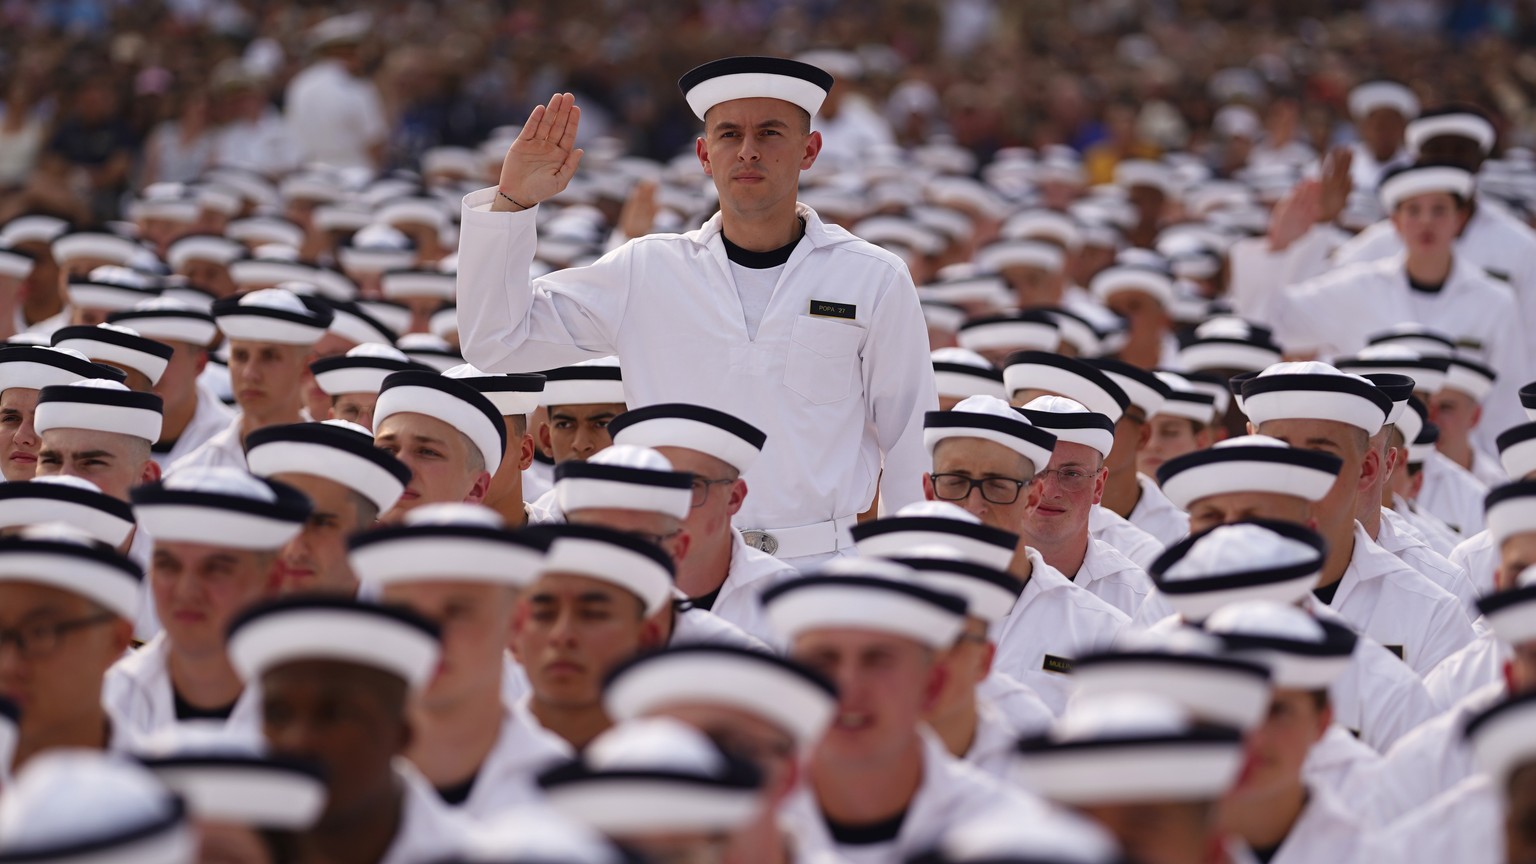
103, 97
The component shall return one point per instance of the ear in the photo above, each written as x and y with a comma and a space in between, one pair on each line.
702, 151
938, 676
150, 473
680, 546
1032, 500
987, 657
1098, 485
481, 486
202, 360
1477, 415
1144, 436
812, 150
1370, 470
525, 453
275, 575
1324, 720
928, 487
519, 621
1390, 464
545, 442
1203, 438
1416, 485
1252, 429
738, 497
650, 632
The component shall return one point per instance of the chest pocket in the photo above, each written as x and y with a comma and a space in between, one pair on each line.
823, 359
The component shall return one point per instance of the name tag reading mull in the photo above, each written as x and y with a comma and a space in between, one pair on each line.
824, 309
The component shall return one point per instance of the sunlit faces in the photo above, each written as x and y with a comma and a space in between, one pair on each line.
578, 431
208, 275
476, 622
1336, 512
316, 558
114, 462
348, 718
354, 408
268, 378
658, 528
55, 676
1065, 494
1005, 492
885, 683
19, 440
755, 149
1169, 438
516, 456
198, 589
1455, 414
571, 630
1225, 509
1429, 223
445, 466
1276, 749
718, 492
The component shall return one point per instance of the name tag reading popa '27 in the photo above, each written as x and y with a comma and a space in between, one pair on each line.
825, 309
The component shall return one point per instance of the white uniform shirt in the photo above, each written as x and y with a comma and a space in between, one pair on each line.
1451, 494
429, 829
1464, 825
1021, 704
1260, 276
1468, 670
1479, 556
538, 480
223, 449
1428, 761
949, 792
1430, 529
751, 573
992, 745
137, 692
1488, 469
841, 395
505, 779
333, 117
1054, 622
1127, 539
1399, 538
210, 418
1325, 831
1157, 515
1343, 766
1118, 581
702, 627
140, 549
1381, 596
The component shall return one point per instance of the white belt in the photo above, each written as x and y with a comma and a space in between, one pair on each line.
802, 540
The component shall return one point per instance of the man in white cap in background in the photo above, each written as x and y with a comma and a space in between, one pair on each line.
193, 413
515, 396
857, 321
24, 371
352, 381
449, 435
575, 407
335, 115
1381, 111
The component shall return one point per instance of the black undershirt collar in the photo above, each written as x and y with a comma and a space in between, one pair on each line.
761, 260
187, 711
1425, 287
867, 834
706, 602
1327, 592
458, 793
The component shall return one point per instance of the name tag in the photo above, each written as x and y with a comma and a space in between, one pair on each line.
824, 309
1059, 665
1396, 649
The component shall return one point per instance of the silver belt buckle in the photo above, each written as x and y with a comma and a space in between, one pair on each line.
762, 541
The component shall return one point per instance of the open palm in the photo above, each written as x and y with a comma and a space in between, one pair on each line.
543, 159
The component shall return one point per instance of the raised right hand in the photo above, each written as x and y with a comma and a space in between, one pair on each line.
543, 159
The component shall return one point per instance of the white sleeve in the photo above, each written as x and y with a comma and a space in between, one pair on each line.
899, 389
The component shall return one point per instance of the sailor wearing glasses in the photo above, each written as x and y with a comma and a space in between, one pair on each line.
1069, 487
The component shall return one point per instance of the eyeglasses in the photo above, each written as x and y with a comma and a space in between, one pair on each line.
1071, 480
656, 539
35, 641
957, 487
701, 489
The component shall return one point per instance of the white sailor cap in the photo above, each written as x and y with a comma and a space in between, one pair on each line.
249, 185
1378, 95
714, 433
410, 210
991, 419
1427, 371
214, 248
1187, 665
361, 370
76, 806
37, 366
899, 233
590, 382
377, 248
228, 779
100, 406
926, 524
1510, 509
357, 323
1254, 560
1185, 399
1425, 434
989, 592
1470, 377
16, 263
262, 272
96, 246
334, 450
783, 692
398, 284
1144, 389
616, 557
1302, 651
792, 81
1130, 747
1071, 422
164, 319
447, 542
1038, 254
1427, 341
342, 216
1064, 376
1517, 447
424, 348
961, 372
1315, 391
62, 556
1155, 282
1245, 464
288, 630
865, 594
1501, 738
340, 29
272, 315
112, 288
1217, 386
655, 776
1130, 173
221, 506
32, 228
1044, 225
74, 501
444, 323
452, 401
117, 345
985, 839
1076, 331
514, 394
625, 477
1409, 181
1511, 613
1453, 121
1229, 343
1029, 330
987, 290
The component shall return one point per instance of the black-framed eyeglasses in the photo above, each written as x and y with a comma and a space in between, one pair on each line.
701, 489
957, 487
35, 641
1070, 479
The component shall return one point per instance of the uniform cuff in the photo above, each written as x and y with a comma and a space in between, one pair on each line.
479, 203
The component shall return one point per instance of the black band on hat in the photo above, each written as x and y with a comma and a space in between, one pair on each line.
384, 334
101, 396
584, 373
1048, 420
1338, 641
697, 413
1021, 428
471, 397
110, 336
574, 468
330, 436
935, 524
945, 601
988, 372
548, 534
1289, 530
37, 354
